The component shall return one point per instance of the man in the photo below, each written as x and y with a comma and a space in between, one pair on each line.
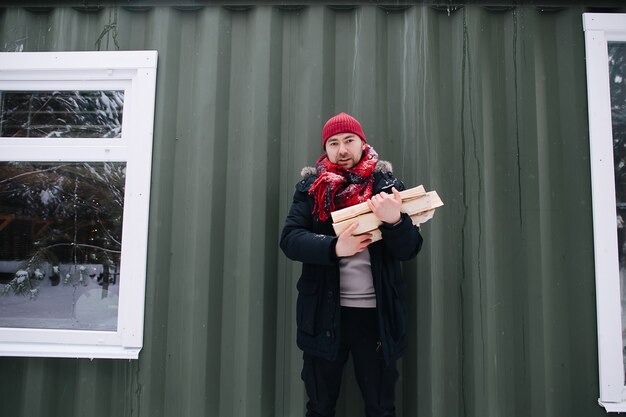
351, 294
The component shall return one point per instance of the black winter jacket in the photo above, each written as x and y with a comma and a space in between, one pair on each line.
313, 243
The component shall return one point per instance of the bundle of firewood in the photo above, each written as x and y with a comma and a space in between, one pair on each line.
416, 202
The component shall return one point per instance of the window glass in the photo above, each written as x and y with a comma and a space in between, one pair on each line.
617, 82
61, 114
60, 244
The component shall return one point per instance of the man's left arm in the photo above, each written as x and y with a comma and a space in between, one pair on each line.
401, 237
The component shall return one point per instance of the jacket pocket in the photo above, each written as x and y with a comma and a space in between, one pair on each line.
306, 305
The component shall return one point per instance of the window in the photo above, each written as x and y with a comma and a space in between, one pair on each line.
75, 164
605, 43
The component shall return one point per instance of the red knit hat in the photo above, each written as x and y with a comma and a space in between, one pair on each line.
341, 123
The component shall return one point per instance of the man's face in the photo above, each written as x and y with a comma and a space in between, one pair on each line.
344, 149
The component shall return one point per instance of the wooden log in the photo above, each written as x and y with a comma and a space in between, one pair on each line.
423, 217
416, 218
362, 208
369, 221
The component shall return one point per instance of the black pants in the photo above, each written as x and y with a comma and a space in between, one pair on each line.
376, 379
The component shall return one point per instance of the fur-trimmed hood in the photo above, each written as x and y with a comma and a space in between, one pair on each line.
383, 167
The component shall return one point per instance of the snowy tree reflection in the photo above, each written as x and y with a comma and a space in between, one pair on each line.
617, 81
61, 114
617, 78
61, 214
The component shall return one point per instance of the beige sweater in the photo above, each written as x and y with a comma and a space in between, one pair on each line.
356, 281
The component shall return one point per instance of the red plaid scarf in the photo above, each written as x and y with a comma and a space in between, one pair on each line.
338, 187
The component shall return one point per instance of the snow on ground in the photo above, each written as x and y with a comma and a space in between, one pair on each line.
79, 307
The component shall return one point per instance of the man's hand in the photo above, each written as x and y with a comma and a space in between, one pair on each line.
348, 245
386, 206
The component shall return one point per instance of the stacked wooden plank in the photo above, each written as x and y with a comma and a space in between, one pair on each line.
416, 202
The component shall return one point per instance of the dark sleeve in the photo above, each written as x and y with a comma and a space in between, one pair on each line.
402, 240
297, 240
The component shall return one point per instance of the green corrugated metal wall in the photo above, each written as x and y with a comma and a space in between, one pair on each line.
485, 105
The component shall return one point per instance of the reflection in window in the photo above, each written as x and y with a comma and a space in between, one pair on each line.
60, 244
61, 114
617, 79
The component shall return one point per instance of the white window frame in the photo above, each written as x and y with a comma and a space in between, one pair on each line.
601, 28
135, 73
